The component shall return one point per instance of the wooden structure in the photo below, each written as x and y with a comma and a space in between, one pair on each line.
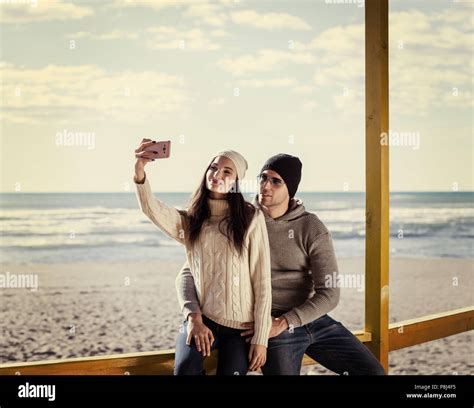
378, 335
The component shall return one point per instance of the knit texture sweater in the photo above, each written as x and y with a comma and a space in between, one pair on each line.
231, 289
302, 257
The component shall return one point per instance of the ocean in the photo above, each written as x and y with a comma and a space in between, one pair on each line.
102, 227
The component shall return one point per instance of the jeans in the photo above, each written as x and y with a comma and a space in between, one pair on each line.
324, 340
233, 352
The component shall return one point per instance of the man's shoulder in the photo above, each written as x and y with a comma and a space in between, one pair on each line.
313, 225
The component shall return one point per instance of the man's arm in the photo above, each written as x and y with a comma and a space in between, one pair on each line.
187, 295
323, 264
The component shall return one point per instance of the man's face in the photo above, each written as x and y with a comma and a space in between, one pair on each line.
273, 190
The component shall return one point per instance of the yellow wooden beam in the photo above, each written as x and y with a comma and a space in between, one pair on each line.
155, 363
402, 334
377, 178
416, 331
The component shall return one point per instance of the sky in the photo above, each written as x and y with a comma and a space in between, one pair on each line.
83, 82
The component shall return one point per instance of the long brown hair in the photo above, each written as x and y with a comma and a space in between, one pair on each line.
238, 219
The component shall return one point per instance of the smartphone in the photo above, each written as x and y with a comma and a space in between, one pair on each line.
162, 149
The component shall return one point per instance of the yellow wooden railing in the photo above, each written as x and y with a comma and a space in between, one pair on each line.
379, 336
402, 334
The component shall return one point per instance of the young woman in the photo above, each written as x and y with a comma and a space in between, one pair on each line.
228, 252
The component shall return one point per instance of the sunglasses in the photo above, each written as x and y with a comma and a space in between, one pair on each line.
263, 178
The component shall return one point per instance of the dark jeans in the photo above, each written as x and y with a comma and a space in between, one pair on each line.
326, 341
233, 352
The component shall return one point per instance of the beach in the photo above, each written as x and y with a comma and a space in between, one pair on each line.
100, 308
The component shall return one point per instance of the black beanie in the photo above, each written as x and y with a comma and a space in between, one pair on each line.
288, 167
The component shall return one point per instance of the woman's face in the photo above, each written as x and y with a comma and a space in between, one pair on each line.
221, 175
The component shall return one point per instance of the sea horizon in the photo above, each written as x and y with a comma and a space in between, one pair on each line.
71, 227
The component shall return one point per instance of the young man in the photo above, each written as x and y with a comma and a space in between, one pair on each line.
302, 255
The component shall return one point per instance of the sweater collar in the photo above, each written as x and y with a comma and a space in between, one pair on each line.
218, 207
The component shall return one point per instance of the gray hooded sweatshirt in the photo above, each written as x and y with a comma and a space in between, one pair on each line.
303, 269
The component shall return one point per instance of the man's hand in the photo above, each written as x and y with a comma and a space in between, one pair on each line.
200, 333
279, 325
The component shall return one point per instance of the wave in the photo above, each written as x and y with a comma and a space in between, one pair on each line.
85, 244
38, 237
86, 227
329, 211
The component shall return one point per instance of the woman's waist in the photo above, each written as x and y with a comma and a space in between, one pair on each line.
230, 323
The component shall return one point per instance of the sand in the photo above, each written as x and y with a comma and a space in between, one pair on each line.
89, 309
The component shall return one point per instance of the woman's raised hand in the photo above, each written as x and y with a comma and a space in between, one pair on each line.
143, 157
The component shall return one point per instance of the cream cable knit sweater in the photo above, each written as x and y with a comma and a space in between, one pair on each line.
231, 290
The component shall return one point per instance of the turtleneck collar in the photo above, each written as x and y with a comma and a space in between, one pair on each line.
218, 207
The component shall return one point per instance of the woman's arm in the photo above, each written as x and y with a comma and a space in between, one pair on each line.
171, 221
168, 219
260, 274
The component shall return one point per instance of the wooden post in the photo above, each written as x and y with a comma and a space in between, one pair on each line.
377, 178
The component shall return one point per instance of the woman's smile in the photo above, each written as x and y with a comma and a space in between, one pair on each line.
216, 182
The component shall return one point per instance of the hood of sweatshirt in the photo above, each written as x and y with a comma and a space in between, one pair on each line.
296, 210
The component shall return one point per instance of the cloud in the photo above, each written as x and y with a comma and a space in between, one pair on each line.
269, 21
339, 71
216, 102
350, 100
264, 61
207, 13
153, 4
442, 30
430, 61
68, 92
219, 33
339, 52
267, 83
35, 11
218, 14
303, 89
110, 35
347, 40
309, 106
162, 4
430, 54
170, 38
